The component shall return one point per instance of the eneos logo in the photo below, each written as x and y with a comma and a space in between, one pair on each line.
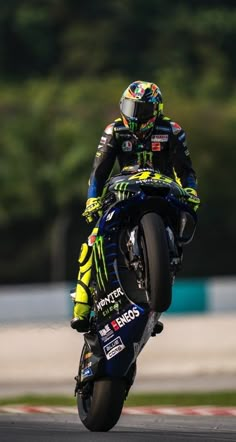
124, 319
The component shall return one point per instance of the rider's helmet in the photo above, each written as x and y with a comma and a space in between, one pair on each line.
140, 105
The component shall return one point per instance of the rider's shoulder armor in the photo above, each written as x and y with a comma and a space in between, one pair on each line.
162, 124
119, 125
109, 129
120, 130
167, 125
176, 128
116, 127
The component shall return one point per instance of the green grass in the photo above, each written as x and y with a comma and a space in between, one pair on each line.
227, 398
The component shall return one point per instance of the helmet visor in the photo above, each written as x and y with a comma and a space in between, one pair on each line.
140, 110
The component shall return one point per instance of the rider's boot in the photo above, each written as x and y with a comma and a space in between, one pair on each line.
82, 295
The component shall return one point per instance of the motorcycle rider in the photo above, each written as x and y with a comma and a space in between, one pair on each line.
143, 137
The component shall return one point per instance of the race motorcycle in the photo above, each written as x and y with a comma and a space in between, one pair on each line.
137, 243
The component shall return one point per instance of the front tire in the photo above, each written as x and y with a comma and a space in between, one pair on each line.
101, 410
156, 259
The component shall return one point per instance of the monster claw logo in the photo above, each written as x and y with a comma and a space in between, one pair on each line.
145, 158
121, 191
100, 262
133, 125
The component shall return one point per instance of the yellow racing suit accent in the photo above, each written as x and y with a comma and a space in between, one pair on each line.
83, 295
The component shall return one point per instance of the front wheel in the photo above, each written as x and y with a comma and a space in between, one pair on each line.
100, 404
156, 260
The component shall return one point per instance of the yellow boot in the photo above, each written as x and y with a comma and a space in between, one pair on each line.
82, 296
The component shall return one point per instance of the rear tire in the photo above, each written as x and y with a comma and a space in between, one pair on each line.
156, 258
101, 411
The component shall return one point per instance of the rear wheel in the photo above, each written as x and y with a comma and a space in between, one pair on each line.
156, 260
101, 403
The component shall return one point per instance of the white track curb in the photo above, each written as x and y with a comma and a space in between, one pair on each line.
171, 411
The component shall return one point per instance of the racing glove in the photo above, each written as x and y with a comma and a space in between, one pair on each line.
93, 208
192, 198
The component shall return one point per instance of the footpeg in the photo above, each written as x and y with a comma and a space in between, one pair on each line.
158, 328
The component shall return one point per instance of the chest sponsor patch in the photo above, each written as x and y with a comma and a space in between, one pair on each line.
161, 138
156, 146
127, 146
156, 141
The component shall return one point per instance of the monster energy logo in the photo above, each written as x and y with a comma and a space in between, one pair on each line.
145, 158
133, 125
100, 263
121, 191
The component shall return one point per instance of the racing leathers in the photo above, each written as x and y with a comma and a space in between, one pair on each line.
164, 150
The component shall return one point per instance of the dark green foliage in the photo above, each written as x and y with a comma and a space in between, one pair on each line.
126, 37
63, 67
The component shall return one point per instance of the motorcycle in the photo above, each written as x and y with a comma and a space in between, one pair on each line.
137, 245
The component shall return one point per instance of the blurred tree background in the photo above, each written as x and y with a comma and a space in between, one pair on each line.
64, 65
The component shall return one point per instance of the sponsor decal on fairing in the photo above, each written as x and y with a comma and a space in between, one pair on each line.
106, 333
86, 372
111, 308
111, 298
125, 318
113, 348
109, 217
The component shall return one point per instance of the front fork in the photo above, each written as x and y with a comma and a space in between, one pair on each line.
135, 258
175, 252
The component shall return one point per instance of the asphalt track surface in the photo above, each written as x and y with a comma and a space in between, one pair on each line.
64, 428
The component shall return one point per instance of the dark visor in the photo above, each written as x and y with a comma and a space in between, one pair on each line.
142, 111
